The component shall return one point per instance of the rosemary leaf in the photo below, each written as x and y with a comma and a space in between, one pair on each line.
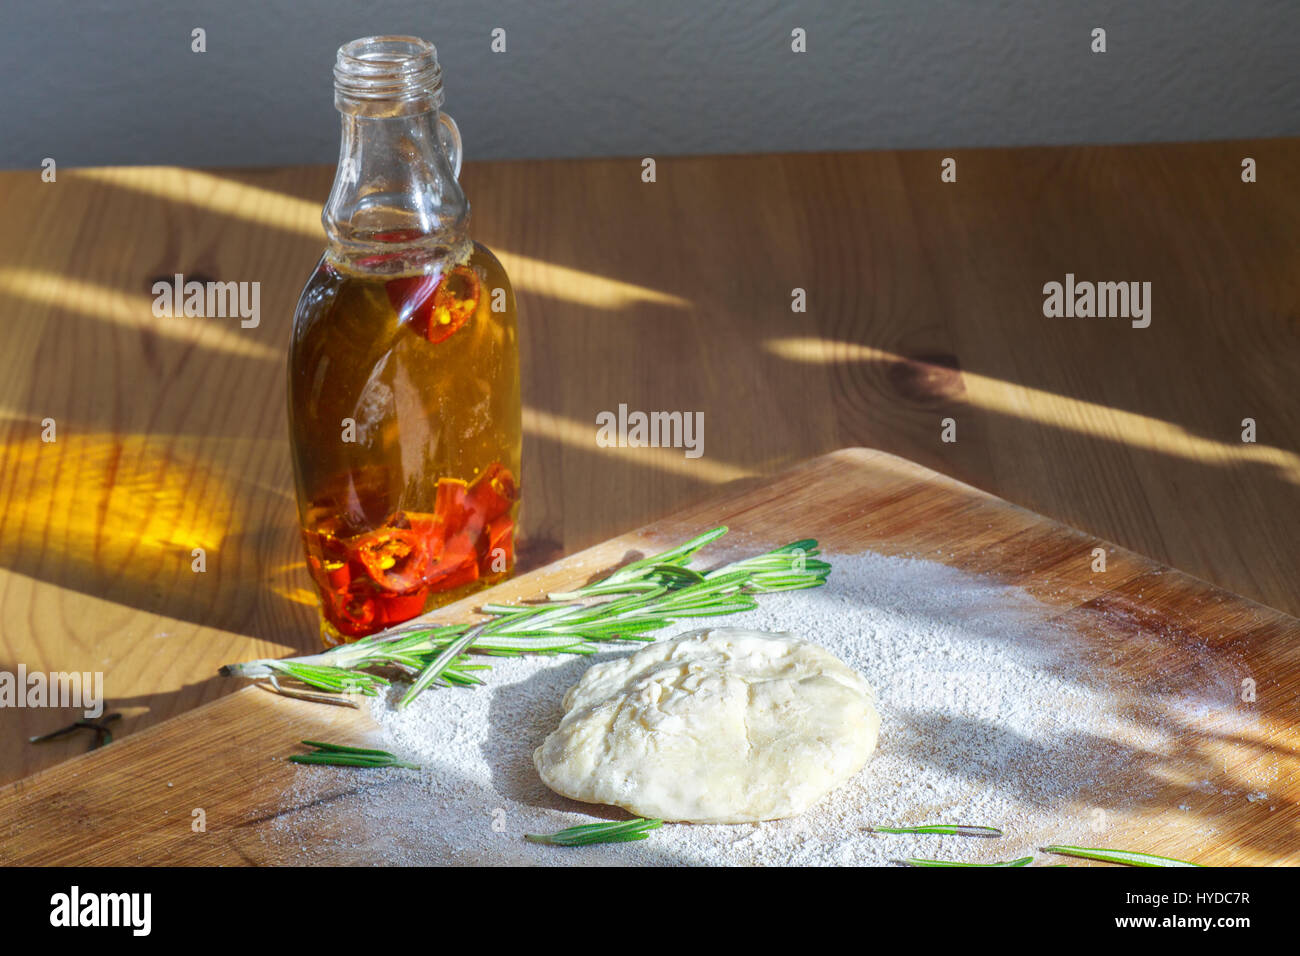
943, 829
439, 664
587, 834
340, 749
1127, 857
337, 755
913, 861
348, 760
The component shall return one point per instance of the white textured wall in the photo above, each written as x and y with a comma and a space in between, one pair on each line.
94, 82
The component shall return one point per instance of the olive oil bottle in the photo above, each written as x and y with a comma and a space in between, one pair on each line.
404, 406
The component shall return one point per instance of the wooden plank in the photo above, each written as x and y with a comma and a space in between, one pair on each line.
115, 805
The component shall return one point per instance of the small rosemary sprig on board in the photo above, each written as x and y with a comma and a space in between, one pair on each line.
914, 861
337, 755
1127, 857
641, 597
943, 829
623, 832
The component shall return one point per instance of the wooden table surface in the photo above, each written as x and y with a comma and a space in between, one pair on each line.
924, 302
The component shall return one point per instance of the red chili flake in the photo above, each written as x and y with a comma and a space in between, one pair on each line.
397, 608
333, 575
369, 262
493, 493
464, 573
500, 538
449, 504
429, 528
327, 560
410, 297
394, 559
435, 306
455, 301
459, 564
352, 612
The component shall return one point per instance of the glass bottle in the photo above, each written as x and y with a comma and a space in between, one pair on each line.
404, 408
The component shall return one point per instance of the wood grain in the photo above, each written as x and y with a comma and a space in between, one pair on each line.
1162, 632
924, 302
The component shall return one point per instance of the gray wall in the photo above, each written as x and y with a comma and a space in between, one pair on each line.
115, 82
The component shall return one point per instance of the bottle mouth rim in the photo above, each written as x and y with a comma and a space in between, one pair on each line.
401, 69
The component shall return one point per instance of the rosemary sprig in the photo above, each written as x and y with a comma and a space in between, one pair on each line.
913, 861
633, 601
440, 664
587, 834
943, 829
1127, 857
337, 755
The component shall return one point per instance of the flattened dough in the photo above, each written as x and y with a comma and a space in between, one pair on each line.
722, 725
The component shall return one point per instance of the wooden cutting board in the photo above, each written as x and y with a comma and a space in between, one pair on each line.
138, 800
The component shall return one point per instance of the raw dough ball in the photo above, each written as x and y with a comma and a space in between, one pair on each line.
722, 725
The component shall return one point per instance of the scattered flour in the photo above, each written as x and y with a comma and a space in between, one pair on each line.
992, 713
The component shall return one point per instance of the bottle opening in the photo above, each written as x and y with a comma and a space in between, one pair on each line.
388, 75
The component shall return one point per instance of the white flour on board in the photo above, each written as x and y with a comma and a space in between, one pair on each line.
990, 715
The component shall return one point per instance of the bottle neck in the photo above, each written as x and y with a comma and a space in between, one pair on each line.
395, 198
